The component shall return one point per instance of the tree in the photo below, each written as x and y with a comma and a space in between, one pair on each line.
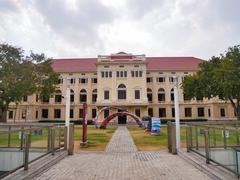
218, 77
23, 75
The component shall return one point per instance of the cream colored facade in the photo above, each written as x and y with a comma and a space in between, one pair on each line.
131, 74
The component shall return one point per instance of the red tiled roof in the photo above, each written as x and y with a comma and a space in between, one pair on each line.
173, 63
74, 65
154, 63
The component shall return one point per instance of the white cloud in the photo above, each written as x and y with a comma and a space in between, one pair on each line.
74, 28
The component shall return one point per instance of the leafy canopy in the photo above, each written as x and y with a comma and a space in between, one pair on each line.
22, 75
220, 76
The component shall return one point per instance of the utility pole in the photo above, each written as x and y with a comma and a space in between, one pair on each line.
176, 106
67, 114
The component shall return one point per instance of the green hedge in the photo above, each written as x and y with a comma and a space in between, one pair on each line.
164, 121
76, 122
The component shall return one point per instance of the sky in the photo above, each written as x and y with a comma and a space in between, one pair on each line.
88, 28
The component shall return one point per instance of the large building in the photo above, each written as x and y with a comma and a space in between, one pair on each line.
136, 83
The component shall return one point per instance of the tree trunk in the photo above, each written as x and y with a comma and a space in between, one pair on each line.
4, 110
4, 115
15, 113
238, 112
236, 107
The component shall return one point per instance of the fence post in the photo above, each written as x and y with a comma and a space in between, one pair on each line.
224, 137
49, 139
9, 135
26, 151
65, 138
214, 136
59, 136
21, 145
191, 137
188, 138
71, 139
196, 134
173, 138
53, 140
169, 129
206, 135
237, 135
30, 137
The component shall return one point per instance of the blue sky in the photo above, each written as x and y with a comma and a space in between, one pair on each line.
87, 28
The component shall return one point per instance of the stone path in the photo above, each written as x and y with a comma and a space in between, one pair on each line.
121, 142
122, 161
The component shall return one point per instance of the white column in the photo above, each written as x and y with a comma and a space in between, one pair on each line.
176, 106
67, 111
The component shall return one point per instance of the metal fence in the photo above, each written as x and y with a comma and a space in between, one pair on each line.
217, 142
21, 144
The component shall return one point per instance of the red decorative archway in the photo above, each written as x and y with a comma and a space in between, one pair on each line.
109, 118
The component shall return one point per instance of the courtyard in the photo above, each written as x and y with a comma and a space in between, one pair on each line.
122, 160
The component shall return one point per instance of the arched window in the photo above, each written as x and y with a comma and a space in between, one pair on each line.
58, 96
149, 94
161, 95
71, 96
172, 94
94, 95
83, 96
122, 91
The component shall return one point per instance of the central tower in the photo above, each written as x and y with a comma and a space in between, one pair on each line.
122, 82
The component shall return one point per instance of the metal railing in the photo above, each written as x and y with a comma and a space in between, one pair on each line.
217, 142
21, 144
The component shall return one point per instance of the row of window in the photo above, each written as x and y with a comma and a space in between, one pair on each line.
83, 95
106, 74
161, 113
162, 79
57, 113
80, 80
121, 74
121, 66
161, 95
122, 94
187, 112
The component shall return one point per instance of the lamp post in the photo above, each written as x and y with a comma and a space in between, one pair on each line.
67, 114
176, 106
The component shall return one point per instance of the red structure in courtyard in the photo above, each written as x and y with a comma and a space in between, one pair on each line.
112, 116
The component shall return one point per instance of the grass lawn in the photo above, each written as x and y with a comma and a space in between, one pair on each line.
97, 138
145, 142
15, 141
216, 137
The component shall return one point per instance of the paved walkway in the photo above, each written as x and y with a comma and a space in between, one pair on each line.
121, 142
122, 161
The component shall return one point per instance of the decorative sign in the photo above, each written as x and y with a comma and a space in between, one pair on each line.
156, 123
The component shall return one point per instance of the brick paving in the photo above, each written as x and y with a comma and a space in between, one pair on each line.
121, 142
122, 161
